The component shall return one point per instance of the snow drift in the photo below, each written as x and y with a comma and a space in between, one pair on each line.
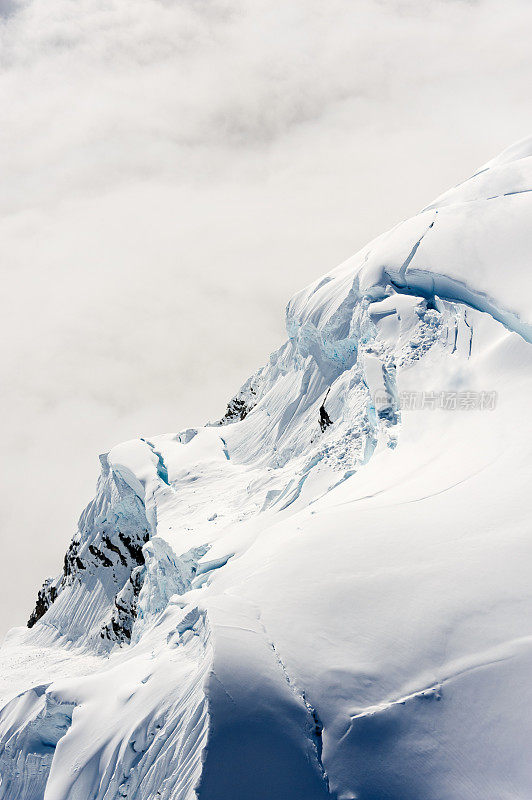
326, 593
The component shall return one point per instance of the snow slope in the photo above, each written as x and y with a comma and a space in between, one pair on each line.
271, 608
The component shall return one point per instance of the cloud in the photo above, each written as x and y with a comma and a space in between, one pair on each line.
172, 172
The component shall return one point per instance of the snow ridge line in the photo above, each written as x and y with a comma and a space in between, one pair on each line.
406, 263
427, 284
436, 206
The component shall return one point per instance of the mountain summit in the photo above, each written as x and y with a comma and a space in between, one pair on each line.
327, 592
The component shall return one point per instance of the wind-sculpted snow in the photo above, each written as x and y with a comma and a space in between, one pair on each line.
88, 600
325, 594
32, 725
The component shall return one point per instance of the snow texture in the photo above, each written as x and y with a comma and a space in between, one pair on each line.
326, 593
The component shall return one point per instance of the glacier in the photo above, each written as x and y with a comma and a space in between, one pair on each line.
273, 608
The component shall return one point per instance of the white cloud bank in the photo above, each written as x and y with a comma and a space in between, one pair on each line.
172, 171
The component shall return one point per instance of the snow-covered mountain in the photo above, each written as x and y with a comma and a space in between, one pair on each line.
326, 593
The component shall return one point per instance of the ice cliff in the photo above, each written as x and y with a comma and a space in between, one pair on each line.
273, 608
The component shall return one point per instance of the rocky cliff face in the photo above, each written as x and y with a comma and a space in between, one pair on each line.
105, 552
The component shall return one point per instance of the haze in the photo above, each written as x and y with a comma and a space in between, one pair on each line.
172, 172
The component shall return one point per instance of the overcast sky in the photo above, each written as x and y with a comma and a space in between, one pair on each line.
171, 171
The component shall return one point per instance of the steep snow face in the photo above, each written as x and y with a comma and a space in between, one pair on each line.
325, 594
94, 598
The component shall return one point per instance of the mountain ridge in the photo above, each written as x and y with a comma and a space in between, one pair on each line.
274, 607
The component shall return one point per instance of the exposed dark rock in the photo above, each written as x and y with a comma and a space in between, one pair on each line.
124, 613
72, 562
239, 407
45, 597
134, 548
108, 544
325, 420
100, 556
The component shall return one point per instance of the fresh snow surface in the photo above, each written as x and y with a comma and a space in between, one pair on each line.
264, 610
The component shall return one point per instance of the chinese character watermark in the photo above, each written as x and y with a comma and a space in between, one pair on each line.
432, 400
